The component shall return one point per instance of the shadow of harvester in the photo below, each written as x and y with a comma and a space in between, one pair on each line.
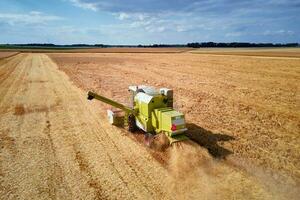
209, 140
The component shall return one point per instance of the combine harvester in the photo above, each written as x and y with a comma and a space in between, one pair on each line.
151, 111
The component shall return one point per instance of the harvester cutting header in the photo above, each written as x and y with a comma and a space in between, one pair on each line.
151, 110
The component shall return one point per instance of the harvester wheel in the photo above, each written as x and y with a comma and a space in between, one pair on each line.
131, 123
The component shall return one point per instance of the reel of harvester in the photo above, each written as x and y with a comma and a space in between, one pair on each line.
151, 110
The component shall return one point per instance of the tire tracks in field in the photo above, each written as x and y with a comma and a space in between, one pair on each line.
11, 86
83, 162
11, 78
56, 168
56, 175
6, 73
84, 167
8, 86
79, 156
26, 143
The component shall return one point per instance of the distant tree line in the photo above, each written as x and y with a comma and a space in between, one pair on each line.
239, 44
192, 45
162, 45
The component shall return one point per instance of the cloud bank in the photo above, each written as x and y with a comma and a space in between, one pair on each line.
152, 21
236, 19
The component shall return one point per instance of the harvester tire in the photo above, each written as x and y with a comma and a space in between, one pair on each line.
131, 123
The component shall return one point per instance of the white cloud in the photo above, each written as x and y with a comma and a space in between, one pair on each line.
132, 16
161, 22
279, 32
142, 16
180, 28
147, 22
33, 17
153, 29
85, 5
123, 16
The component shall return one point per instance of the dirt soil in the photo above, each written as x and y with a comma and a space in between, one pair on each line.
244, 122
244, 109
5, 54
264, 52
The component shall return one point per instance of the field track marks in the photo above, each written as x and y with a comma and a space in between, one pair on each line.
54, 145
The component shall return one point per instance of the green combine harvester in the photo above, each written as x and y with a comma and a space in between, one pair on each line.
151, 111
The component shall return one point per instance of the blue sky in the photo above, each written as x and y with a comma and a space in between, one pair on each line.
149, 21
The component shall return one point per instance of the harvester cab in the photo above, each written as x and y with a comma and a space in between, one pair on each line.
150, 110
